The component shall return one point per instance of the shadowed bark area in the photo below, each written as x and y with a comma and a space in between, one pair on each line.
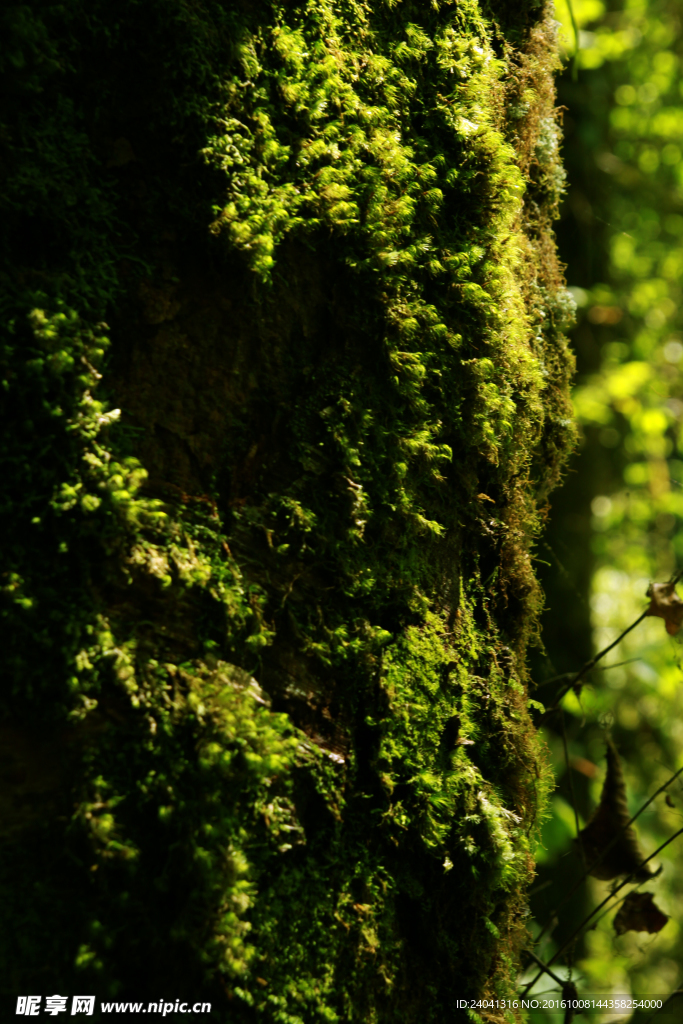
285, 391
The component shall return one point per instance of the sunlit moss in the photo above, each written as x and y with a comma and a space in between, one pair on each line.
279, 662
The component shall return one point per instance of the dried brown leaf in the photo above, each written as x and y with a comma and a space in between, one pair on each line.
609, 820
639, 913
665, 603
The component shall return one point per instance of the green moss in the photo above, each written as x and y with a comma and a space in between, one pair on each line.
332, 397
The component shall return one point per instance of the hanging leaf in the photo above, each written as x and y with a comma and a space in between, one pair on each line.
608, 821
665, 602
639, 913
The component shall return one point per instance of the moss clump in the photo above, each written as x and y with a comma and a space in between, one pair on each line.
267, 597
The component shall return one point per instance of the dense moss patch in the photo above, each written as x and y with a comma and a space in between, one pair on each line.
266, 598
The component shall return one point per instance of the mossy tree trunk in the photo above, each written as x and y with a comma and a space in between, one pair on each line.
285, 391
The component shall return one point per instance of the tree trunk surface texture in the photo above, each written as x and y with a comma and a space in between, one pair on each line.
284, 391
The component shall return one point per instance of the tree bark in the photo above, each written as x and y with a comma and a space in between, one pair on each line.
285, 391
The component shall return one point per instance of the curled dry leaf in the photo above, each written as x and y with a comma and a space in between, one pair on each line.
607, 822
639, 913
665, 603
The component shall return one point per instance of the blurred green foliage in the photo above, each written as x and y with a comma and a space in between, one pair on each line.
618, 523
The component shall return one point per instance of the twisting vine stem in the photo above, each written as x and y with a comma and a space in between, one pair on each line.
573, 683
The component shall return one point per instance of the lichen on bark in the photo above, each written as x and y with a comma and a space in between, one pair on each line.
266, 598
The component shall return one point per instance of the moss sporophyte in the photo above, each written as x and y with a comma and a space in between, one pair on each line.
285, 390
